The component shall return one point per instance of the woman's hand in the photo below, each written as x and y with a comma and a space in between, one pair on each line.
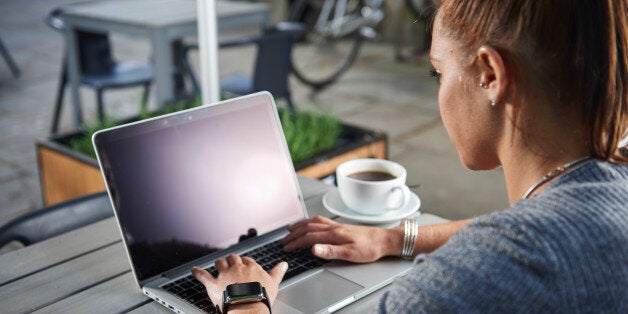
332, 240
240, 269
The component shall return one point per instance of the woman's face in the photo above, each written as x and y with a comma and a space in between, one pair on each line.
464, 105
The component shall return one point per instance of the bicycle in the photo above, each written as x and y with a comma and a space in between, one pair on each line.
335, 31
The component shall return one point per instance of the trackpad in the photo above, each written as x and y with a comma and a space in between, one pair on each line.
318, 292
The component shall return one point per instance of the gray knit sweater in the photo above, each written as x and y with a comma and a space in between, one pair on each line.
564, 250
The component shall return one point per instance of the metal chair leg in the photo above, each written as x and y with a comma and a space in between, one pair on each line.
99, 101
178, 75
186, 67
63, 79
144, 104
7, 57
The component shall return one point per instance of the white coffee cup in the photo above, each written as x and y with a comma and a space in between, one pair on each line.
372, 186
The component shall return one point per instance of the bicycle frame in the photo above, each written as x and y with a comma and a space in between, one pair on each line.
341, 24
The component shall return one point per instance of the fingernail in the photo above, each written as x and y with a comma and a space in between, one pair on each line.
284, 266
319, 250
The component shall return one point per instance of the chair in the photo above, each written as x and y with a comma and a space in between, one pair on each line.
51, 221
98, 69
272, 65
9, 60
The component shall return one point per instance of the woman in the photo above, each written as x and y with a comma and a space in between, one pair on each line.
539, 88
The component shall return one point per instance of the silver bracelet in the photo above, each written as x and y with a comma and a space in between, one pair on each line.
410, 233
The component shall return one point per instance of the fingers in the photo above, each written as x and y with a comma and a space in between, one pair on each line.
327, 251
317, 219
234, 259
299, 232
278, 271
221, 265
310, 239
231, 260
203, 276
307, 232
249, 261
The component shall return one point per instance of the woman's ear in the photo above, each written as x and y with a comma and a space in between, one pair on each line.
494, 74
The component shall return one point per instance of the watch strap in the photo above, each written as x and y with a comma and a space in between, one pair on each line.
266, 300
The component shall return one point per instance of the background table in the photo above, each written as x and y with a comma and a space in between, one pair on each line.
87, 270
161, 21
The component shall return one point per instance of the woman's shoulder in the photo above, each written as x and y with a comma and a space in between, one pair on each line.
595, 171
581, 220
590, 199
595, 193
585, 211
595, 175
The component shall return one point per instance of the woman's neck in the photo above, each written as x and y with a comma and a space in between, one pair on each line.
535, 149
523, 173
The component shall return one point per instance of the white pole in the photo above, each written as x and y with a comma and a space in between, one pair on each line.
208, 50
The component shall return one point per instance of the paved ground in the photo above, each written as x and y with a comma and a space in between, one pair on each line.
377, 92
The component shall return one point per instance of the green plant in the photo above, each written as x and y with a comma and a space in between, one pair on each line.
83, 144
307, 133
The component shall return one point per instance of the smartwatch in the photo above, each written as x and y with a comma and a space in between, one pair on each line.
247, 292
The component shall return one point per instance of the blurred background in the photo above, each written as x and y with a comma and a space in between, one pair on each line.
387, 89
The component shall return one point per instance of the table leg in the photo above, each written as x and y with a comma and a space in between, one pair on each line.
74, 74
177, 60
163, 67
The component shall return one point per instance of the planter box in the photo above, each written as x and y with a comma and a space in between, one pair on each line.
65, 174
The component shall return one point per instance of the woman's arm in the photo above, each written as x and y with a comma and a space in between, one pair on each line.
329, 240
333, 240
430, 237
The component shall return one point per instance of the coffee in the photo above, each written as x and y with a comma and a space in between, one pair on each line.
372, 186
372, 176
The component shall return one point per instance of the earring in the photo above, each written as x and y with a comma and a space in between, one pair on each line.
483, 85
493, 102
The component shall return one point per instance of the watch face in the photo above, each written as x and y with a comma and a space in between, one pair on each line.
244, 293
249, 291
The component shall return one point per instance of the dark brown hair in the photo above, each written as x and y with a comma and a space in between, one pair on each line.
574, 52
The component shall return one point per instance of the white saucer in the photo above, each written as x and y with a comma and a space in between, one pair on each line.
335, 205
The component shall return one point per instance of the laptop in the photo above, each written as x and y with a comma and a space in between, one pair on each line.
194, 186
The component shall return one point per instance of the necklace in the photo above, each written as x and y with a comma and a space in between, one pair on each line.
555, 173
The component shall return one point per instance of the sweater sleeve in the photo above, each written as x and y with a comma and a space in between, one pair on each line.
492, 265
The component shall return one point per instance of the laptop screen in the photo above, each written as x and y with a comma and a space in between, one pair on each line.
198, 181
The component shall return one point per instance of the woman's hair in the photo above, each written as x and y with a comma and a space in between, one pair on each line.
572, 52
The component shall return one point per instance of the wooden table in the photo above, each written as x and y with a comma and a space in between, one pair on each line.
160, 21
87, 270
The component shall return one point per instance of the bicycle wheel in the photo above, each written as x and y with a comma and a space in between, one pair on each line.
319, 57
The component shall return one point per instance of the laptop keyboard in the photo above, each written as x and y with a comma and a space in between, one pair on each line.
190, 289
